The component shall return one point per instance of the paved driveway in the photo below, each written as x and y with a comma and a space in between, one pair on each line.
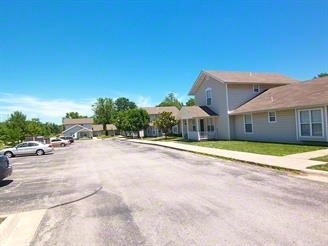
156, 196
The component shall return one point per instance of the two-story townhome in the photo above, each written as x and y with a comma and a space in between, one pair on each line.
217, 94
292, 113
153, 112
78, 128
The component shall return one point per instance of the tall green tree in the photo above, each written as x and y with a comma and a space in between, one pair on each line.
104, 112
191, 102
138, 119
171, 100
50, 129
132, 120
74, 115
15, 128
123, 104
165, 121
34, 128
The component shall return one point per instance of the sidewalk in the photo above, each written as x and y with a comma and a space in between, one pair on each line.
297, 163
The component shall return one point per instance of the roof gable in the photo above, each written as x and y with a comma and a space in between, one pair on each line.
76, 127
242, 78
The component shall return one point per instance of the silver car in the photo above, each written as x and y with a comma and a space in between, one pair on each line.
27, 148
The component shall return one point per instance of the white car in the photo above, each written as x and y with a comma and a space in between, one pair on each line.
27, 148
58, 142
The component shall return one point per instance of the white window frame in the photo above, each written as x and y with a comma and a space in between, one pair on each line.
256, 88
208, 95
310, 122
270, 116
251, 117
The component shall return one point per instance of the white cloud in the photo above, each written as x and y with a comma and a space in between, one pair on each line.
142, 101
52, 110
45, 109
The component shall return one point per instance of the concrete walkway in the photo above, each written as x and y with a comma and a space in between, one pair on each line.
310, 155
19, 229
297, 163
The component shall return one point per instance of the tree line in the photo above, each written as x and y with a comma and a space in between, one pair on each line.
122, 112
16, 128
127, 117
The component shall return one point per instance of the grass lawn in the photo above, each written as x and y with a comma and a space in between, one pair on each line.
163, 138
258, 147
323, 167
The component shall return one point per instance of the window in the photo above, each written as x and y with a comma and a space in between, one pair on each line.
32, 144
311, 124
208, 92
272, 117
248, 123
210, 125
256, 88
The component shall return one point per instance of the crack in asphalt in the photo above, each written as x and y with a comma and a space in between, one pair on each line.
76, 200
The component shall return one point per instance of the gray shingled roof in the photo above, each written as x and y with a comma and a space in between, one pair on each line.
242, 78
99, 127
189, 112
67, 121
157, 110
251, 77
306, 94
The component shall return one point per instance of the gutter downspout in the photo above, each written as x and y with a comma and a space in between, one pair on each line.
227, 102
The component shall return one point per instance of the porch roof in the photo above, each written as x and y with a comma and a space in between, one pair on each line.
189, 112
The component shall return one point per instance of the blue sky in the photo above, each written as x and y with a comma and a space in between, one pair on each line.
60, 56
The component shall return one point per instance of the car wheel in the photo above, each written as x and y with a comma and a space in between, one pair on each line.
9, 154
62, 145
39, 152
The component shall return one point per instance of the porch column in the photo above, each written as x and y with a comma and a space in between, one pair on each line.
197, 129
181, 123
187, 128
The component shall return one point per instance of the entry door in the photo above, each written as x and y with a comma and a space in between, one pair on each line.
201, 124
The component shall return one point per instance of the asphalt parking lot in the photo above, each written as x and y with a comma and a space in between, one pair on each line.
118, 193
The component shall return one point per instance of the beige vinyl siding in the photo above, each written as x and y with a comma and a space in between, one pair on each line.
281, 131
218, 105
239, 94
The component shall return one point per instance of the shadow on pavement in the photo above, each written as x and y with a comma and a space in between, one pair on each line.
6, 182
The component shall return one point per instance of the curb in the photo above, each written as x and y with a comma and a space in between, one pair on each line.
19, 229
298, 171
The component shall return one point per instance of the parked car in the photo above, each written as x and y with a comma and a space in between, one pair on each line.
70, 139
27, 148
5, 167
58, 142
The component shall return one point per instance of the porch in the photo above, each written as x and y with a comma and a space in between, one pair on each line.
198, 123
200, 128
